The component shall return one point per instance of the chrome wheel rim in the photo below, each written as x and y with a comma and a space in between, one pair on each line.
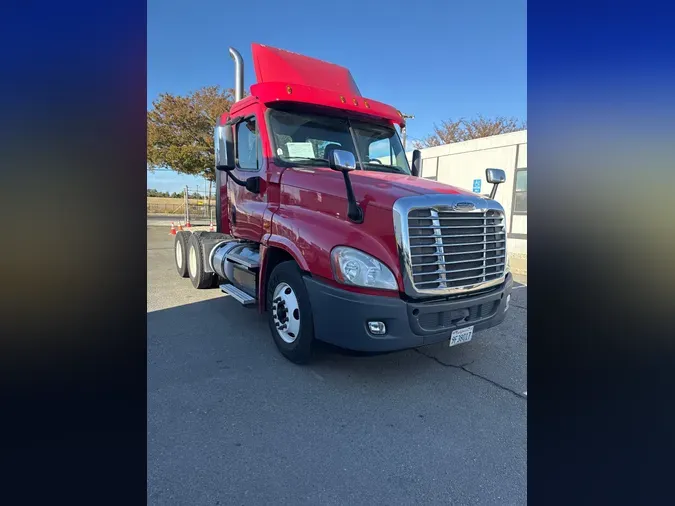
286, 312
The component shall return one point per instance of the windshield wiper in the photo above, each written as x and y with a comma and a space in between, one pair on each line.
293, 160
385, 167
307, 158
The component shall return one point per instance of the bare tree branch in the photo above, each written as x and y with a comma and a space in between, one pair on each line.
463, 130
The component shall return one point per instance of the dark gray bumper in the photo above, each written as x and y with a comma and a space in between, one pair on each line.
340, 317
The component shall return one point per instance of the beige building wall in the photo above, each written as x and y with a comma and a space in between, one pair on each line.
461, 164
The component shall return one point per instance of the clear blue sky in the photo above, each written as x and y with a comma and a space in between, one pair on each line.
435, 59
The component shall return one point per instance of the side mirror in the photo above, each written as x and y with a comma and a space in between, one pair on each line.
495, 177
416, 168
224, 147
342, 160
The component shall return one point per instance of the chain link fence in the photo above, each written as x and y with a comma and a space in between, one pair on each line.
199, 206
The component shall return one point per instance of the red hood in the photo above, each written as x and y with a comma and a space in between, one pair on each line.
381, 189
402, 185
312, 215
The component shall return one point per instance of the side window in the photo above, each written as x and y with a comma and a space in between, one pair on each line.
520, 194
381, 150
249, 147
387, 153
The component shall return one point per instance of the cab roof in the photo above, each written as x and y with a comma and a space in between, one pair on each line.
277, 65
284, 76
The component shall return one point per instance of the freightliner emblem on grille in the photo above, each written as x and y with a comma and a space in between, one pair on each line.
463, 206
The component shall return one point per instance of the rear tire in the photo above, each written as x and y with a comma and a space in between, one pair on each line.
195, 261
180, 249
290, 313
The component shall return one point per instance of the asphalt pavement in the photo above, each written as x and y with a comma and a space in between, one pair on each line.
167, 219
230, 421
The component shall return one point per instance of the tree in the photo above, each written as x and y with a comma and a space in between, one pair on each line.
180, 130
463, 130
155, 193
449, 131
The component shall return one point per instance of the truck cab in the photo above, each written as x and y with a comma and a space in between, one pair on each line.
324, 225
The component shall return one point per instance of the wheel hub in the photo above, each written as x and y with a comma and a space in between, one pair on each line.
282, 311
286, 312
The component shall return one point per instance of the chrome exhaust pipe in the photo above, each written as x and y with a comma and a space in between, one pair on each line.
238, 74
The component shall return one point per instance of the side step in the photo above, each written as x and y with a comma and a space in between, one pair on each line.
239, 295
246, 262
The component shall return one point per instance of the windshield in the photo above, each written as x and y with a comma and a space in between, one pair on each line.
301, 139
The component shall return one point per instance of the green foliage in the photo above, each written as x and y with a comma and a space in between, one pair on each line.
175, 195
180, 130
154, 193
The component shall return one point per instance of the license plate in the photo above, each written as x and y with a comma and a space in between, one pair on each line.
460, 336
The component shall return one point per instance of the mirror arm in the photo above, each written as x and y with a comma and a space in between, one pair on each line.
354, 212
252, 184
236, 179
496, 177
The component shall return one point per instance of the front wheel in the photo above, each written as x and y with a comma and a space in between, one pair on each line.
290, 313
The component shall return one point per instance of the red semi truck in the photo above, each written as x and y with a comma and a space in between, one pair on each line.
324, 226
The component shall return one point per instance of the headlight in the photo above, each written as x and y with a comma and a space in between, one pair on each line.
354, 267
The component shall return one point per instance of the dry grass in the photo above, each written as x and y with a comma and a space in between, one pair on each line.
167, 205
176, 202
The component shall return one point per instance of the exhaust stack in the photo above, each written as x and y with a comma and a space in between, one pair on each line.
238, 74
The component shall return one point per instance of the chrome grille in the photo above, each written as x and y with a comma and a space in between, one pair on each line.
455, 250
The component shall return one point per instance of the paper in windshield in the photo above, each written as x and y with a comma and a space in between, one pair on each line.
300, 150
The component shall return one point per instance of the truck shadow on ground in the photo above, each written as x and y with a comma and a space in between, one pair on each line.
224, 406
220, 331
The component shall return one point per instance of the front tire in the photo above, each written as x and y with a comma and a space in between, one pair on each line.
289, 313
195, 260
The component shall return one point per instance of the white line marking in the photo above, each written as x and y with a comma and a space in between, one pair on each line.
525, 393
519, 286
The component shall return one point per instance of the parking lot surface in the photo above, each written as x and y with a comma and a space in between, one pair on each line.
230, 421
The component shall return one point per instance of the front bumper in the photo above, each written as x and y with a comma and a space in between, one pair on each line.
341, 317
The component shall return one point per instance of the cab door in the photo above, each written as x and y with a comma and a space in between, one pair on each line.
246, 209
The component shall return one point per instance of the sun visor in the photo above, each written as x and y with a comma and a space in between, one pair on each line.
277, 65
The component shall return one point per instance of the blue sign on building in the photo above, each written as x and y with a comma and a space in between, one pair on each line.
476, 185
